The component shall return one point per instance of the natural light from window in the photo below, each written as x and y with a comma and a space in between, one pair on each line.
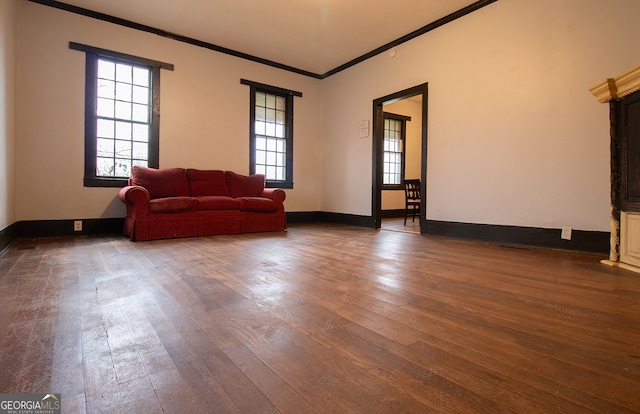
123, 110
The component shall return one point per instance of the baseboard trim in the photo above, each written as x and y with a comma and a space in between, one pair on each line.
7, 236
57, 228
348, 219
49, 228
392, 213
297, 217
586, 241
337, 218
581, 240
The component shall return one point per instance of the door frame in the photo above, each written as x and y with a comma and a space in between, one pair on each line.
378, 152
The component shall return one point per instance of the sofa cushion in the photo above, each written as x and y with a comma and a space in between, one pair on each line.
217, 203
167, 182
173, 204
207, 182
244, 185
257, 204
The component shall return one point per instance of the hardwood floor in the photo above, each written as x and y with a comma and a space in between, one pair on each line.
397, 224
322, 318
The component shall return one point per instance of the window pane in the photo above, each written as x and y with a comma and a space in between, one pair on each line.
123, 73
123, 110
123, 167
141, 132
123, 91
270, 129
141, 95
104, 167
261, 157
271, 173
281, 103
106, 88
260, 127
106, 128
123, 130
261, 114
261, 143
123, 149
140, 150
105, 108
140, 113
270, 115
106, 69
270, 101
141, 76
105, 148
279, 131
260, 99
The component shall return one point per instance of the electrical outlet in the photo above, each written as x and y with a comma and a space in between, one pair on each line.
566, 233
77, 225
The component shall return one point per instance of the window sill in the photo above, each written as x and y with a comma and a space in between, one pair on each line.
105, 182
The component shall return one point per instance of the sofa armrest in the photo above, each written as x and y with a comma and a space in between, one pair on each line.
276, 194
137, 200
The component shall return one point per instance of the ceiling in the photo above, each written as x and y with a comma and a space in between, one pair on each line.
314, 36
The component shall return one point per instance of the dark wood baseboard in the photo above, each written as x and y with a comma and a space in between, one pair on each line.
348, 219
392, 213
297, 217
7, 236
581, 240
57, 228
337, 218
48, 228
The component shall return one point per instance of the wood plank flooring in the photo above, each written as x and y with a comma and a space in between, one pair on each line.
319, 319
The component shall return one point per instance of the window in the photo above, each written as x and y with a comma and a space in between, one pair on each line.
394, 150
271, 134
122, 113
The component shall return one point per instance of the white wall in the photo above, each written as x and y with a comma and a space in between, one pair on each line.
204, 114
515, 137
7, 111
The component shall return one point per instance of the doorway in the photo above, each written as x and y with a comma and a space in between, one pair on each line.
417, 94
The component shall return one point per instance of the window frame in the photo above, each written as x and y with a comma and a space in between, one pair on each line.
254, 88
93, 54
403, 138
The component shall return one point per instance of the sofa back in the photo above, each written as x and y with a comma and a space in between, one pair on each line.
207, 183
244, 185
166, 182
180, 182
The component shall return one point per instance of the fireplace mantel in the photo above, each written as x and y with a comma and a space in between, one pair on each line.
613, 89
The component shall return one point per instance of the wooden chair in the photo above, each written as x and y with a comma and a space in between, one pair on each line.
412, 200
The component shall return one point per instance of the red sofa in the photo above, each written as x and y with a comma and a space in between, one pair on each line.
178, 202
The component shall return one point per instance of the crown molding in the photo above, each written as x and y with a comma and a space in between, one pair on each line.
216, 48
613, 89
